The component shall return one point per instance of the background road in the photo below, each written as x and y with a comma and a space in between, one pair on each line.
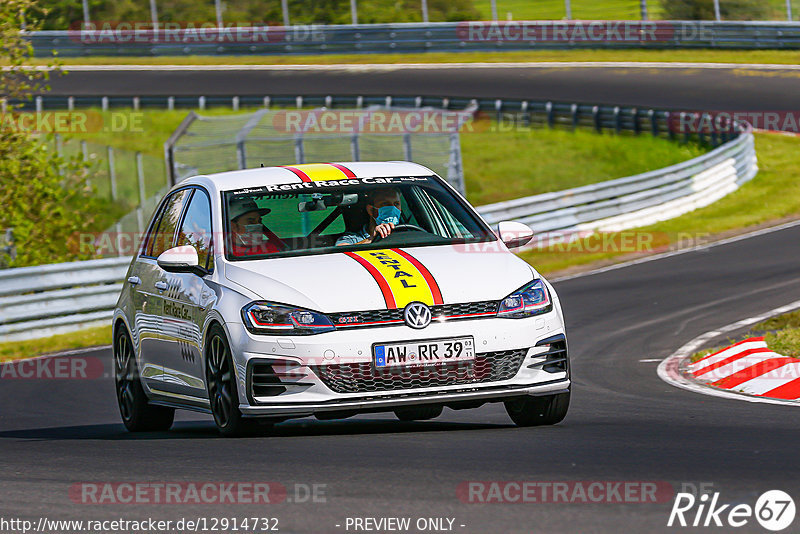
624, 423
674, 88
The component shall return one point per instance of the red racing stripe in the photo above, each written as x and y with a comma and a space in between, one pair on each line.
300, 174
789, 391
385, 289
754, 371
729, 359
726, 348
345, 170
437, 294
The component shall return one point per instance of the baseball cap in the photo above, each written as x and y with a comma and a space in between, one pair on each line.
240, 206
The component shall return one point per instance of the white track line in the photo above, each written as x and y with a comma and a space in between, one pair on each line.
669, 369
361, 67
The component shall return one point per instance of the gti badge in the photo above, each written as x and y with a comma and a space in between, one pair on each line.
417, 315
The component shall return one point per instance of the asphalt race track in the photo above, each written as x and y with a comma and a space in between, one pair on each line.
625, 424
733, 89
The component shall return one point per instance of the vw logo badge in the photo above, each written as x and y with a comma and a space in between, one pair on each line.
417, 315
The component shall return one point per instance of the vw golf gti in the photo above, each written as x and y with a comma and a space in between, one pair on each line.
329, 290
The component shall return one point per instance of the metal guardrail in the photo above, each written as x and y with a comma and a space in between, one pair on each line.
121, 40
634, 201
51, 299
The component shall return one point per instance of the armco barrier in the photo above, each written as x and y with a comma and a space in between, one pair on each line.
122, 40
61, 297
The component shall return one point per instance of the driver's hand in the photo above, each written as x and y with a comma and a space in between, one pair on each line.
383, 230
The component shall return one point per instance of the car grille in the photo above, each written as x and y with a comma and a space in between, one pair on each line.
270, 378
362, 377
555, 360
450, 312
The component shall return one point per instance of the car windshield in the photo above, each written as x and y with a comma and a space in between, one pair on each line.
321, 217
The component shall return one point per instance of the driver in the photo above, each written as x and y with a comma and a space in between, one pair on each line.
383, 208
247, 231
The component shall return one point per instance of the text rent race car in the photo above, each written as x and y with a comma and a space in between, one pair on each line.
267, 294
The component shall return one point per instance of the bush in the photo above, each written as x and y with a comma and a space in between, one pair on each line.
704, 9
43, 196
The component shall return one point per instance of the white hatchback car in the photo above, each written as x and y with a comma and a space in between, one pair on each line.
328, 290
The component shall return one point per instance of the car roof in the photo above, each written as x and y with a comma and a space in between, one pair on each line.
288, 174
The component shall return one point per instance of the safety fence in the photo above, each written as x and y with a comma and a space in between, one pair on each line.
123, 39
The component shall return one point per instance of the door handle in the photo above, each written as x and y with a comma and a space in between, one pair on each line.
134, 280
161, 285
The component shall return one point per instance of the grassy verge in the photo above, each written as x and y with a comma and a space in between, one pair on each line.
772, 195
780, 57
781, 333
90, 337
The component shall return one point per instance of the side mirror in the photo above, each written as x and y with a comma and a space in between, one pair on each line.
514, 234
180, 260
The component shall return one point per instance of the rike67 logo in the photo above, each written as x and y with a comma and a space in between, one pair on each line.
774, 510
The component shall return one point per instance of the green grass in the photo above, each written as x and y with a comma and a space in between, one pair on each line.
527, 163
89, 337
782, 57
773, 194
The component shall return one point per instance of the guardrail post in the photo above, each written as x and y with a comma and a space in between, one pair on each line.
170, 103
201, 102
235, 103
70, 103
551, 119
651, 114
136, 103
526, 114
407, 146
445, 103
298, 102
388, 101
104, 103
573, 111
418, 102
266, 102
39, 104
140, 178
617, 120
498, 107
299, 150
598, 123
112, 172
328, 101
355, 149
359, 102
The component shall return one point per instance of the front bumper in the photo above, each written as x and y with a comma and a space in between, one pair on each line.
305, 393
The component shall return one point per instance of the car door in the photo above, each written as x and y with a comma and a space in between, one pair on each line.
187, 301
150, 288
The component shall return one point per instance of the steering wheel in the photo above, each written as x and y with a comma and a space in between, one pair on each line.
399, 228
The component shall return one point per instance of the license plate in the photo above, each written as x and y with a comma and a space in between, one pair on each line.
429, 352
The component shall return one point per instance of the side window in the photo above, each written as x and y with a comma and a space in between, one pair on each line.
164, 229
196, 227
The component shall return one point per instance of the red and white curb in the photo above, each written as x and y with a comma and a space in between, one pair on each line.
747, 370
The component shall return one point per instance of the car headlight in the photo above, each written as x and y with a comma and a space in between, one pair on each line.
279, 319
531, 299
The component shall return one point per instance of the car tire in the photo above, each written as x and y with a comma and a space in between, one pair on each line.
536, 411
137, 414
223, 394
418, 413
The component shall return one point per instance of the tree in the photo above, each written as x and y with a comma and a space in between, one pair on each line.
43, 196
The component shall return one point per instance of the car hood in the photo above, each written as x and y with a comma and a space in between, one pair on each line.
385, 278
